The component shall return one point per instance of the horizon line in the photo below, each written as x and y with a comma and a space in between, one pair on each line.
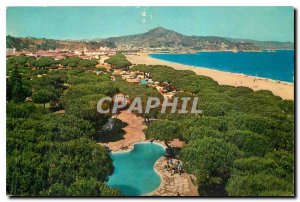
99, 39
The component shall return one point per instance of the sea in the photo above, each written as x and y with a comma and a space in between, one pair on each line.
275, 65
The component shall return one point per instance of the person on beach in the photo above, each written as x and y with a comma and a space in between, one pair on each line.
179, 168
171, 161
173, 170
173, 167
167, 167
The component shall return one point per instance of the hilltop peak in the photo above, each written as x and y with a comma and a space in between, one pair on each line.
159, 30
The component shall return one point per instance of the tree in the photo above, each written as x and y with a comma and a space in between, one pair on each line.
271, 175
43, 96
52, 82
22, 110
278, 130
52, 155
81, 100
83, 187
44, 62
30, 61
199, 132
210, 159
92, 187
21, 61
248, 142
87, 63
163, 73
70, 61
15, 88
118, 61
259, 185
86, 108
163, 130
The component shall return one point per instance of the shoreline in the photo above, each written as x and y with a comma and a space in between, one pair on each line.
211, 68
283, 89
131, 146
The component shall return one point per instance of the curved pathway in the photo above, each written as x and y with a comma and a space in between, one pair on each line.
133, 132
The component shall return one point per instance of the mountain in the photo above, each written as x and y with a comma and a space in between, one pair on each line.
161, 37
154, 38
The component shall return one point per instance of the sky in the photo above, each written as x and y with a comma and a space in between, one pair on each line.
258, 23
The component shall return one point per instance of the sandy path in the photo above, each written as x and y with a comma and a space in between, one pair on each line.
282, 89
102, 58
133, 132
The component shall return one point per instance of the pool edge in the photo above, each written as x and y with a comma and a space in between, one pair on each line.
159, 174
154, 166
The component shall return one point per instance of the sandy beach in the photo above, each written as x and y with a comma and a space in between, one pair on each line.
282, 89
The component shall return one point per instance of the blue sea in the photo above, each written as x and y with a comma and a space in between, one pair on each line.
278, 65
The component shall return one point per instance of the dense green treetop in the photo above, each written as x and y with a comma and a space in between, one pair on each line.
47, 151
242, 144
210, 159
118, 61
271, 175
70, 61
256, 124
162, 73
44, 62
163, 130
16, 88
51, 154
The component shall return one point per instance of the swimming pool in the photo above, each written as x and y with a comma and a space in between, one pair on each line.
134, 171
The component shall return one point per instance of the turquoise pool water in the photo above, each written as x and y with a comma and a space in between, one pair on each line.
134, 171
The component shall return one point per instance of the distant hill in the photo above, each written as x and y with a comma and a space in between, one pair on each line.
160, 37
154, 38
266, 44
34, 44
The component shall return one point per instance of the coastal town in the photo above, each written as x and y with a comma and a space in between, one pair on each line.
59, 54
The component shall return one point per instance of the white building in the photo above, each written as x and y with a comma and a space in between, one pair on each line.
92, 53
78, 52
10, 51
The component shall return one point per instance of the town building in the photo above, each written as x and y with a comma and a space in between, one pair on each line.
10, 51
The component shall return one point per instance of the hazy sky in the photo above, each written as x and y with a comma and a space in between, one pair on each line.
259, 23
